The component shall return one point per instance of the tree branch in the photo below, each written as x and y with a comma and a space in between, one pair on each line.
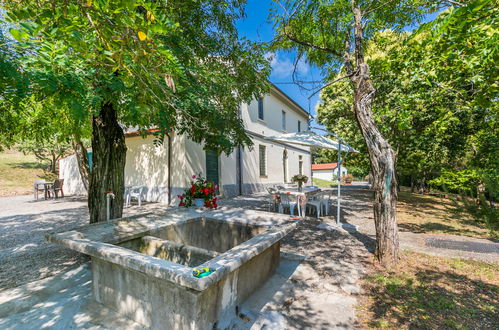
311, 45
330, 83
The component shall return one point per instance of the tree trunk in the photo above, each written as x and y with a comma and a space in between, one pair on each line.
108, 164
381, 155
82, 159
383, 167
53, 167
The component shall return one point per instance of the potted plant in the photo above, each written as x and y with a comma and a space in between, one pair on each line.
300, 179
201, 193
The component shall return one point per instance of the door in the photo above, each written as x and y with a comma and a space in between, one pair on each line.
212, 167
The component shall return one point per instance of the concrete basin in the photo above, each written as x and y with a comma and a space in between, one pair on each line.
143, 267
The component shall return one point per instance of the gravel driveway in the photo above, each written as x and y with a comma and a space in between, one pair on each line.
25, 256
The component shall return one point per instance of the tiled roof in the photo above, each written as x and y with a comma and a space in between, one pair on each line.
327, 166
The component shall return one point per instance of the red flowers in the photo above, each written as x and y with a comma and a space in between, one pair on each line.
202, 189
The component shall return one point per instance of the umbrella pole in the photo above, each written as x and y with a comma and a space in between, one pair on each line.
339, 185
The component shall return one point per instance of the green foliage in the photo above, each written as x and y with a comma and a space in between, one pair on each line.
358, 172
478, 190
202, 189
173, 65
300, 178
457, 181
49, 150
322, 26
436, 94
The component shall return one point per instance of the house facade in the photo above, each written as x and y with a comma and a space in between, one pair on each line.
327, 171
165, 170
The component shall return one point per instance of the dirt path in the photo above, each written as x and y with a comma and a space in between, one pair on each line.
358, 211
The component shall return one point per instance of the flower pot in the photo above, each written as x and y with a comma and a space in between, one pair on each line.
198, 202
300, 185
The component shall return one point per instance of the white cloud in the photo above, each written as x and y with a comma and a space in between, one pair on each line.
283, 66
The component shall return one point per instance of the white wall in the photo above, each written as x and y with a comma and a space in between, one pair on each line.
147, 164
275, 164
273, 105
68, 170
328, 174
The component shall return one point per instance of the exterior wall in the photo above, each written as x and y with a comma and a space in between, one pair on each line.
275, 165
147, 164
328, 174
273, 105
68, 170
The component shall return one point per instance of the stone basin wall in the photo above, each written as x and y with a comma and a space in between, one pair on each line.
146, 272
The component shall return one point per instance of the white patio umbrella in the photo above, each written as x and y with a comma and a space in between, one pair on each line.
314, 140
311, 139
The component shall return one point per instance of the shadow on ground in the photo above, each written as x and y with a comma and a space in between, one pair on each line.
432, 295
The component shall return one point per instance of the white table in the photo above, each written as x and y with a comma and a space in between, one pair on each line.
303, 195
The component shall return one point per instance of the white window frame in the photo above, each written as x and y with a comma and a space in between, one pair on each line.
260, 105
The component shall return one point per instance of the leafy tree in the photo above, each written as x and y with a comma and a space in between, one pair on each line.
176, 65
49, 151
437, 109
333, 35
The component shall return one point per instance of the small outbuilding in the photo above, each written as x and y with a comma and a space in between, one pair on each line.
328, 171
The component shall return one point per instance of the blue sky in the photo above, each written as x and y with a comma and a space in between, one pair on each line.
256, 27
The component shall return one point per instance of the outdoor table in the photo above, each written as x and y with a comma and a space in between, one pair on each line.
302, 195
46, 187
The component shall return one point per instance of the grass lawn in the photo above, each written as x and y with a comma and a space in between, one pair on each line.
324, 183
426, 292
18, 172
431, 214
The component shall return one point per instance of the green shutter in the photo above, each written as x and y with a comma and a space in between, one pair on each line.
263, 160
212, 166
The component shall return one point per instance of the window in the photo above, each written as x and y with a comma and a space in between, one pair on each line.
300, 163
283, 121
263, 160
299, 126
260, 108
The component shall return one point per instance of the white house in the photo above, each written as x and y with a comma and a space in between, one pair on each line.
166, 170
327, 171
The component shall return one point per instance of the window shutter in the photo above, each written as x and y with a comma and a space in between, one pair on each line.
263, 160
212, 166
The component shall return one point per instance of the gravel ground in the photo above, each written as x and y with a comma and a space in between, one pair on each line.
314, 287
25, 256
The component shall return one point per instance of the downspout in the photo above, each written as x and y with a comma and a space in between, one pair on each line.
169, 169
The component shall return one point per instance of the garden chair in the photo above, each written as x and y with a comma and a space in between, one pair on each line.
289, 201
327, 196
316, 201
56, 188
37, 187
134, 192
273, 200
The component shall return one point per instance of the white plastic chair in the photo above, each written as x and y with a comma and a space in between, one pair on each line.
326, 201
289, 201
134, 192
316, 201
